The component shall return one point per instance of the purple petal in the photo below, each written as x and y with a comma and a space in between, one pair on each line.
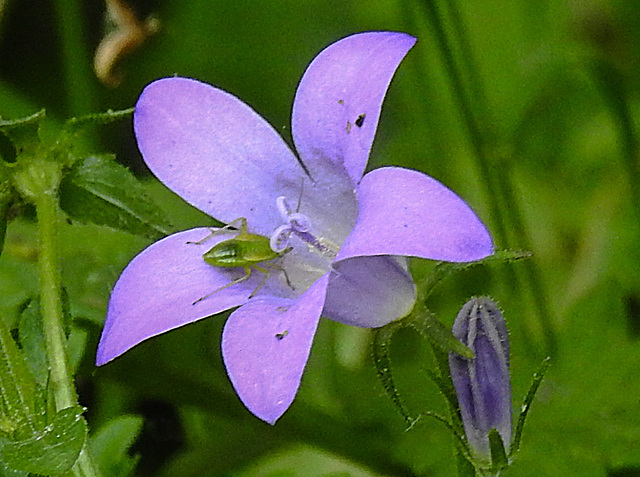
369, 291
405, 212
215, 152
157, 291
338, 102
265, 346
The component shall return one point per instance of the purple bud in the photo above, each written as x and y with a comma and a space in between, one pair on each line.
482, 384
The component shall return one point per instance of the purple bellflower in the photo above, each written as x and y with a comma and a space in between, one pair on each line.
344, 236
482, 384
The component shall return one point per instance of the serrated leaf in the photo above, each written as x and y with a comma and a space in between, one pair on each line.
54, 449
110, 446
6, 472
18, 392
103, 192
382, 361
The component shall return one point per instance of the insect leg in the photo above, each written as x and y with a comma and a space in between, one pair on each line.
238, 224
264, 280
247, 274
284, 272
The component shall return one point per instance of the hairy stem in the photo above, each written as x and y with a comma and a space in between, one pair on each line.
40, 182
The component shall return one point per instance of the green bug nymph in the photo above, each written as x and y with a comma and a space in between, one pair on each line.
246, 251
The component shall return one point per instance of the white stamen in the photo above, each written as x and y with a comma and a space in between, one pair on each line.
280, 237
299, 222
283, 208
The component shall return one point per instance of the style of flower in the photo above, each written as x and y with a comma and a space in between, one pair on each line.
343, 236
483, 384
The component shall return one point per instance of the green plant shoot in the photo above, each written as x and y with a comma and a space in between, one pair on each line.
246, 251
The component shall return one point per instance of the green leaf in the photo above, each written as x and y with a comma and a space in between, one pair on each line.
537, 379
54, 449
299, 461
23, 131
101, 191
31, 335
18, 390
6, 472
381, 344
110, 446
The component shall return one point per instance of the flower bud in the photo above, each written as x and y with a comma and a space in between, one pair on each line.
482, 383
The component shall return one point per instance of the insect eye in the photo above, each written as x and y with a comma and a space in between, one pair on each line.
279, 240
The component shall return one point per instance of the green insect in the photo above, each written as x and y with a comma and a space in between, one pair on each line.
246, 251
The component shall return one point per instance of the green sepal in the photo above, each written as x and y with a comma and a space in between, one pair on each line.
499, 460
537, 379
110, 446
23, 132
443, 269
443, 382
382, 361
52, 450
106, 117
98, 190
436, 332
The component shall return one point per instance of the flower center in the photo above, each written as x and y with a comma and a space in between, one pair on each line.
299, 225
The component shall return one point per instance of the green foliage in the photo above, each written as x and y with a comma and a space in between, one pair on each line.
31, 336
21, 411
111, 444
51, 450
98, 190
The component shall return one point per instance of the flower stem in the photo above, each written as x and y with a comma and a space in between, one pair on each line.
51, 302
39, 182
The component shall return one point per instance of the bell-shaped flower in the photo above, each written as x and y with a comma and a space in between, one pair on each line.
341, 237
482, 384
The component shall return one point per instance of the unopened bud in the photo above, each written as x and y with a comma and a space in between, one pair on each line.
482, 383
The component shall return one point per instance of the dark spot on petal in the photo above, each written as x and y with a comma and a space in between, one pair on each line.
360, 120
349, 126
280, 336
341, 101
282, 309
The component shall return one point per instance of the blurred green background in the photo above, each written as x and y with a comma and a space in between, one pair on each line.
553, 86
